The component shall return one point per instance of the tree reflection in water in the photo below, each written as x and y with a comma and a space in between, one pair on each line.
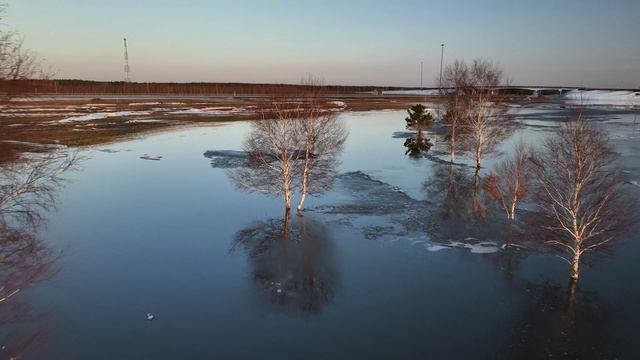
28, 189
562, 323
463, 213
293, 263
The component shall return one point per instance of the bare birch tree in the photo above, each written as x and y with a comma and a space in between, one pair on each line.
274, 149
295, 146
475, 121
456, 83
485, 127
509, 184
323, 137
580, 200
17, 62
486, 122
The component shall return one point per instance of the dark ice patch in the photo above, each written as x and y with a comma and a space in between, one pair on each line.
227, 159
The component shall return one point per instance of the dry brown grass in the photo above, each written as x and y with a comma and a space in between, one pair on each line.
43, 129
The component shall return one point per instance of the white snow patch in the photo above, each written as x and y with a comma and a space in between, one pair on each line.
147, 121
213, 111
419, 92
102, 115
39, 114
603, 97
32, 144
32, 109
338, 103
144, 103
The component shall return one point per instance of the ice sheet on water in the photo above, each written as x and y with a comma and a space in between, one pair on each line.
371, 196
634, 182
476, 247
227, 159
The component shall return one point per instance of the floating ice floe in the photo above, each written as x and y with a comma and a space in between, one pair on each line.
603, 97
151, 157
479, 247
633, 182
102, 115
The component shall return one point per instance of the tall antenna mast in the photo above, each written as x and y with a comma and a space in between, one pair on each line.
127, 69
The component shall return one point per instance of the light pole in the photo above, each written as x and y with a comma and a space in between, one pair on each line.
441, 58
421, 67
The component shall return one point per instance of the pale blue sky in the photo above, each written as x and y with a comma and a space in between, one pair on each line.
545, 42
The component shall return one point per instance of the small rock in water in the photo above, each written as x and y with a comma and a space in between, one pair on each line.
150, 316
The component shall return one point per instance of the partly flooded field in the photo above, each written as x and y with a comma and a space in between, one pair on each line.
166, 259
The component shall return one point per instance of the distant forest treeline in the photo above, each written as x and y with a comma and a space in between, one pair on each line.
89, 87
120, 87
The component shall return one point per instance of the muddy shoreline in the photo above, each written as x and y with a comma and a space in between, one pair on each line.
39, 123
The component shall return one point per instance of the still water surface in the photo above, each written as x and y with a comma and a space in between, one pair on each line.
174, 238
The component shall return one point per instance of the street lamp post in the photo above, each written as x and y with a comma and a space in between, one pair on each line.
441, 58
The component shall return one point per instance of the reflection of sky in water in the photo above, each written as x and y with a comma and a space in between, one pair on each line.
139, 236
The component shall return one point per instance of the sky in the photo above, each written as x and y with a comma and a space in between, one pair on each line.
591, 43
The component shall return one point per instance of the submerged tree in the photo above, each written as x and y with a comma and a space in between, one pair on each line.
274, 150
487, 122
486, 126
456, 84
509, 184
581, 204
322, 138
296, 146
474, 118
419, 119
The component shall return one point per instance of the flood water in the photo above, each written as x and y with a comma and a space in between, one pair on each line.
385, 265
